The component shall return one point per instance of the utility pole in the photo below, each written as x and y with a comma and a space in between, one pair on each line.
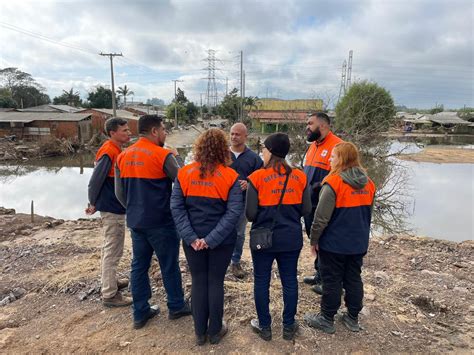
202, 118
111, 56
226, 86
241, 85
176, 103
243, 88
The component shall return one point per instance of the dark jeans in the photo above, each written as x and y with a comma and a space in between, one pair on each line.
341, 271
239, 243
208, 268
262, 269
165, 243
308, 221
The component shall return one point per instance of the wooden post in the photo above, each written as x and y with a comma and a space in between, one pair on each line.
32, 212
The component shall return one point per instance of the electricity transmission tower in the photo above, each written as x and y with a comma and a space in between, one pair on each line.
349, 70
211, 95
342, 89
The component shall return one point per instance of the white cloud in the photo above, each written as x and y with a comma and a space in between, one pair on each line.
420, 50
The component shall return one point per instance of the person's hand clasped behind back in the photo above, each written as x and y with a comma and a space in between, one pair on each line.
199, 244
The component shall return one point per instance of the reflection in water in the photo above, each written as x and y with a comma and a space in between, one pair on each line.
58, 193
443, 193
444, 200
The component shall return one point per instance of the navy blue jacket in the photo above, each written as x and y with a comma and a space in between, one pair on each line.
247, 162
206, 208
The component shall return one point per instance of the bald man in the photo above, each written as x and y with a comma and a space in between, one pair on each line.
244, 162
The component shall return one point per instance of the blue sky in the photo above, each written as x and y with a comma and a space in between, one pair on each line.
421, 51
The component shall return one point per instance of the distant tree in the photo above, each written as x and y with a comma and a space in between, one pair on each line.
401, 108
7, 102
229, 108
437, 109
124, 92
180, 110
155, 102
180, 97
100, 98
467, 113
192, 112
365, 111
24, 89
70, 98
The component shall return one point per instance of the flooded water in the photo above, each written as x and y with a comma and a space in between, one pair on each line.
443, 193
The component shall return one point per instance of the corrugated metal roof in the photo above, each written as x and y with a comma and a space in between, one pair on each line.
51, 108
42, 116
447, 118
119, 113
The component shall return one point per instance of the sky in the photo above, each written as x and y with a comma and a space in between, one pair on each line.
420, 51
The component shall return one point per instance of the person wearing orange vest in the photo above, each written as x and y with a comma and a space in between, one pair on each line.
264, 210
316, 167
340, 235
206, 204
144, 175
102, 198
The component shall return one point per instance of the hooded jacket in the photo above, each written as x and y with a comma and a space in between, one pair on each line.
342, 220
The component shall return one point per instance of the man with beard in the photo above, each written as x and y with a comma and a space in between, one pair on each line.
316, 167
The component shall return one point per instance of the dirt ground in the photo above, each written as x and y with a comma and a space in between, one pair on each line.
441, 155
418, 298
184, 137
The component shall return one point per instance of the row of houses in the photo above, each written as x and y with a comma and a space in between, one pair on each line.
446, 120
271, 115
268, 115
63, 121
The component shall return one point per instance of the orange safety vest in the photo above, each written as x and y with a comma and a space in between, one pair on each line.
287, 233
106, 201
206, 199
146, 186
349, 227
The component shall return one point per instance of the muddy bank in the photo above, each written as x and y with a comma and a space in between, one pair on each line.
418, 298
11, 151
441, 155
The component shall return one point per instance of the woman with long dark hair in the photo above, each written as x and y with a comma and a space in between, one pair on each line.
206, 203
340, 235
277, 198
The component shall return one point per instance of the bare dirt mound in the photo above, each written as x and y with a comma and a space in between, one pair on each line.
418, 298
442, 155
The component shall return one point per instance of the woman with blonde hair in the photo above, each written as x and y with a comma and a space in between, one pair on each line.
206, 203
340, 234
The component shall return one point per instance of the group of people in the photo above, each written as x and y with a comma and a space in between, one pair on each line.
206, 205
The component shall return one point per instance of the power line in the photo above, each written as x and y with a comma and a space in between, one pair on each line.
44, 38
